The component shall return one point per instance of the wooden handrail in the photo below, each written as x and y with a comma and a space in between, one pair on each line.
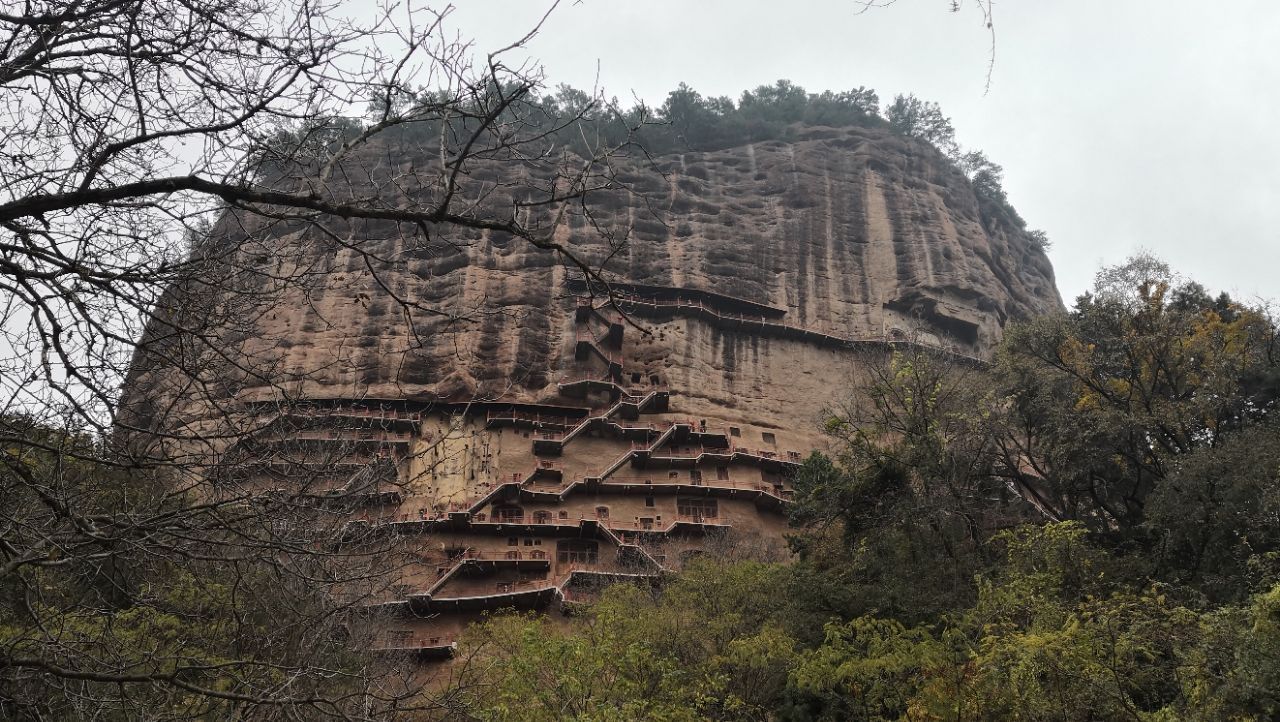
417, 641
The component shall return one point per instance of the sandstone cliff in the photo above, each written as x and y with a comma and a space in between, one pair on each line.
852, 233
478, 404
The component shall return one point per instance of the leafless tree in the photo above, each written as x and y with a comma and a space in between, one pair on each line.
161, 164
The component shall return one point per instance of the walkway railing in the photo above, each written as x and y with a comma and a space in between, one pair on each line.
759, 321
604, 416
704, 483
415, 642
395, 437
354, 412
668, 523
529, 416
515, 586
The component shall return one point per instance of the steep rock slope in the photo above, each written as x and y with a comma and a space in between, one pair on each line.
855, 233
528, 444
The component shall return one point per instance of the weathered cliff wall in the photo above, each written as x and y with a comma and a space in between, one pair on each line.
528, 442
855, 233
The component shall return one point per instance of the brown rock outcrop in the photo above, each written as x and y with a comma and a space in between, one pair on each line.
853, 232
509, 409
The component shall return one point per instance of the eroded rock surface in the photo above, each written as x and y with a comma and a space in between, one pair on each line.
525, 439
854, 233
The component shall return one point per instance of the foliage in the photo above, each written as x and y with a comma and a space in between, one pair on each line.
987, 179
1234, 670
689, 121
1040, 239
120, 603
912, 489
1048, 637
710, 646
1213, 518
1112, 398
916, 118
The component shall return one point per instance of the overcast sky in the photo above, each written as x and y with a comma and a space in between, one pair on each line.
1121, 124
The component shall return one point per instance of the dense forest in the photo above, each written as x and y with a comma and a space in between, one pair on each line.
1085, 530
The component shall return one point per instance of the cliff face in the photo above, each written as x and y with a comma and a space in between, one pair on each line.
854, 233
528, 443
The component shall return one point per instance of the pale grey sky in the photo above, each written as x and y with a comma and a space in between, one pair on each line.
1121, 124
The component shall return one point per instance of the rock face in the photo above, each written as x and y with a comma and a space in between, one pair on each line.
853, 232
537, 439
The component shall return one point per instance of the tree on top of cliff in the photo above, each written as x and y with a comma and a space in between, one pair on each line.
916, 118
689, 121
